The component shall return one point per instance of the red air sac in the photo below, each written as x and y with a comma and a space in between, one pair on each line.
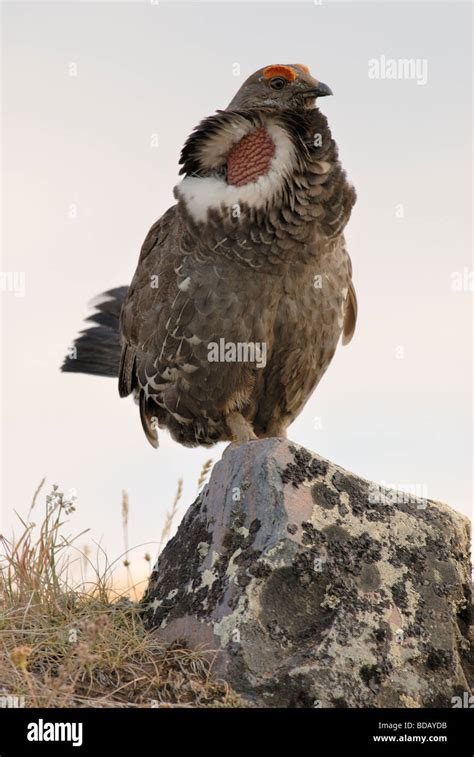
250, 158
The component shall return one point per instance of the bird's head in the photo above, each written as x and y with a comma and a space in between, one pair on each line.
283, 87
260, 148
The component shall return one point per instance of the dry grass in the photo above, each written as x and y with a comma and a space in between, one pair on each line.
83, 645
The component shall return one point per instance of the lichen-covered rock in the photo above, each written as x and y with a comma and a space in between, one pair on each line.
317, 588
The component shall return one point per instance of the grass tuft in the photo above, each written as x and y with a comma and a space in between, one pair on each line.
69, 644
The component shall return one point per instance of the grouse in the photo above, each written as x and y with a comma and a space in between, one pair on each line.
244, 286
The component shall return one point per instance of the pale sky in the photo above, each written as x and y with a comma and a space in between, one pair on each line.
82, 184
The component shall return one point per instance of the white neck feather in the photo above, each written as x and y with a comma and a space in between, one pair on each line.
201, 194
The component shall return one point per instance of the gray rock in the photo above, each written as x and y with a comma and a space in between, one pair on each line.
315, 587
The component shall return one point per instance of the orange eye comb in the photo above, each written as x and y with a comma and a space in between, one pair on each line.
286, 72
302, 68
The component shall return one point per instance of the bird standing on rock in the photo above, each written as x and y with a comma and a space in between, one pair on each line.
243, 287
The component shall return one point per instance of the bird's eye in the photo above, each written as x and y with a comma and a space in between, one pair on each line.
277, 82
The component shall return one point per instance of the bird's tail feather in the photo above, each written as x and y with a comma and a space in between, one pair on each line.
97, 350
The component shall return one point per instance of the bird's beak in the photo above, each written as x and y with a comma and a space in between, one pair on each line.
321, 90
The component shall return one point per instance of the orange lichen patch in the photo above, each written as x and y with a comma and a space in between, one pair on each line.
285, 71
303, 68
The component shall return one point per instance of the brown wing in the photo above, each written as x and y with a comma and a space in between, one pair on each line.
167, 330
350, 317
141, 297
145, 300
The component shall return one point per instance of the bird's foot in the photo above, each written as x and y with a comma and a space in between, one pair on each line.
240, 428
